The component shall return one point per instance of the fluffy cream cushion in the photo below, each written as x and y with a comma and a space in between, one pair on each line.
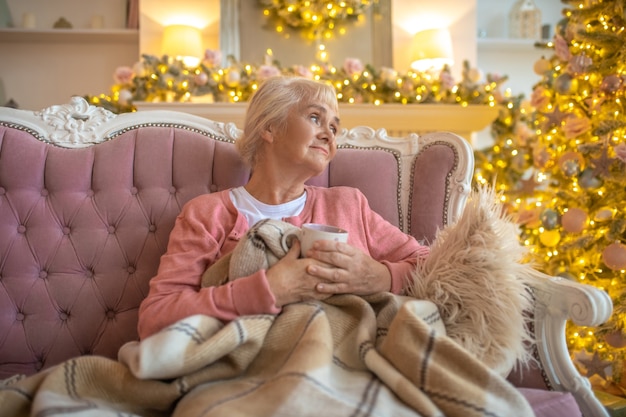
475, 274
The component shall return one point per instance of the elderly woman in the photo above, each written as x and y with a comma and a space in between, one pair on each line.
289, 136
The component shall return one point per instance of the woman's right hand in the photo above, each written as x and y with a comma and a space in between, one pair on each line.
289, 281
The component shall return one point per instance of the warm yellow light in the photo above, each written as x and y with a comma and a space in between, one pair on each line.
431, 49
184, 43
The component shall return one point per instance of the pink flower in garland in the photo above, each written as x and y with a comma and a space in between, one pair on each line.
212, 58
123, 75
353, 66
267, 71
302, 71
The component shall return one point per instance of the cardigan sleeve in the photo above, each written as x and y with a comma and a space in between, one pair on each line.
196, 242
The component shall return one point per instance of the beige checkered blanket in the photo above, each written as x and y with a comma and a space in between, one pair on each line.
348, 356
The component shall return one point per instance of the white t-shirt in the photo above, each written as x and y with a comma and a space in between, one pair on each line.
254, 210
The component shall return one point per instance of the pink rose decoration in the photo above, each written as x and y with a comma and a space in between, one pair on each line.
302, 71
353, 66
576, 126
212, 58
620, 152
267, 71
123, 75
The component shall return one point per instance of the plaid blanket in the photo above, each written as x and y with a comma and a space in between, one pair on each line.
349, 356
380, 355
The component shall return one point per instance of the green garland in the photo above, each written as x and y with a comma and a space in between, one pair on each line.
314, 18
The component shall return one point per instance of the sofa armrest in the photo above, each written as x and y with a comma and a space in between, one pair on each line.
558, 300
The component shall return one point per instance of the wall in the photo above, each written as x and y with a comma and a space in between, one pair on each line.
44, 67
499, 54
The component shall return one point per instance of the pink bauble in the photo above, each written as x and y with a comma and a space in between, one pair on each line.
616, 339
574, 220
614, 256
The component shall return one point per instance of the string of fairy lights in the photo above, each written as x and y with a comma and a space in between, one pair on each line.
160, 79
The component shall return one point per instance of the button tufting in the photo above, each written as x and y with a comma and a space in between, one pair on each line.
134, 191
63, 315
110, 314
131, 269
213, 188
44, 193
66, 230
21, 229
2, 191
43, 274
152, 228
172, 190
90, 193
111, 229
89, 273
39, 365
20, 316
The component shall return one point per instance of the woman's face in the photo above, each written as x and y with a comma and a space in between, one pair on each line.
308, 142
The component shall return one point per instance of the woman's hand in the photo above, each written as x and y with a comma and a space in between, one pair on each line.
290, 281
346, 269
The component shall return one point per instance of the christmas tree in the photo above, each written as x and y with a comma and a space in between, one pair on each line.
559, 160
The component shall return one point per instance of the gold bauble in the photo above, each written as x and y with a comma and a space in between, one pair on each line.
550, 238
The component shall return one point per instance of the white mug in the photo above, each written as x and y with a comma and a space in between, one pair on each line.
312, 232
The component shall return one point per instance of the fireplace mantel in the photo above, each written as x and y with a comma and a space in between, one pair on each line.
397, 119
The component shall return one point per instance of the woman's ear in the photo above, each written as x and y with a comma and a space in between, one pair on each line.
267, 134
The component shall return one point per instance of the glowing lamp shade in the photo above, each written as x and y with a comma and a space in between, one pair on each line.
431, 49
184, 43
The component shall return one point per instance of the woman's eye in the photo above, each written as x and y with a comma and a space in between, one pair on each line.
315, 118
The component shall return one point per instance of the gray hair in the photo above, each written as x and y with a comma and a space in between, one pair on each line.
270, 106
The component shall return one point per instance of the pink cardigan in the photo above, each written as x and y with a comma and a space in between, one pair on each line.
209, 226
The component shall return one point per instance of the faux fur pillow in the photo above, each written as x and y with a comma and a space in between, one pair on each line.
475, 275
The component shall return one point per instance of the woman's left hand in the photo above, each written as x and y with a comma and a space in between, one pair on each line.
348, 270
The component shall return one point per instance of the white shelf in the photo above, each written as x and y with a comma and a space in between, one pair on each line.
508, 44
70, 35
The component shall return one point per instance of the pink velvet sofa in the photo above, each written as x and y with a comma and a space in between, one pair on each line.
88, 198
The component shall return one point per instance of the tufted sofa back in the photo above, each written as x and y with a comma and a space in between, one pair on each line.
82, 229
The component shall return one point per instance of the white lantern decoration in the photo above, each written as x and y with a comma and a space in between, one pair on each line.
525, 20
